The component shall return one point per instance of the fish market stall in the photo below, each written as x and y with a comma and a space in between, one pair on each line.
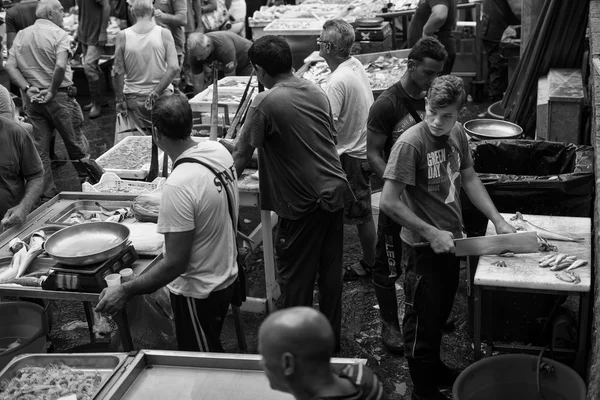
148, 374
383, 69
564, 270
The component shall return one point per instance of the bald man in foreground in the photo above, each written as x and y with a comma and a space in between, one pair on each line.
296, 345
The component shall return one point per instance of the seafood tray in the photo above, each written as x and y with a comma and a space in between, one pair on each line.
383, 69
236, 82
130, 158
87, 208
187, 375
105, 364
111, 183
228, 97
295, 27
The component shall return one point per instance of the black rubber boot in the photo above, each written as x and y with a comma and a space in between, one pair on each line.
423, 376
391, 335
96, 94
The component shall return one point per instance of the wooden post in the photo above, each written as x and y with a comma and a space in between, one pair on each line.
530, 14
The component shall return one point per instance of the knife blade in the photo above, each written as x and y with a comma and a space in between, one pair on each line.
518, 243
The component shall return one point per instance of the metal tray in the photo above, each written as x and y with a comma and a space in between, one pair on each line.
106, 364
85, 207
48, 230
190, 375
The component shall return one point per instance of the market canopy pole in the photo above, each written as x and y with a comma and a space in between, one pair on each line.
530, 13
214, 108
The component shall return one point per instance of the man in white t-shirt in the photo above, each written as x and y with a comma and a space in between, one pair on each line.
351, 98
199, 266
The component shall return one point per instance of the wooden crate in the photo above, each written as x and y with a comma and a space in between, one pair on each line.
559, 106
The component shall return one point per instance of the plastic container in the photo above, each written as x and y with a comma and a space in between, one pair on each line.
126, 274
111, 183
514, 376
113, 279
26, 322
495, 110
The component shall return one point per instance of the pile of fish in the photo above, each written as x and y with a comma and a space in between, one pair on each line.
23, 257
78, 217
558, 262
382, 73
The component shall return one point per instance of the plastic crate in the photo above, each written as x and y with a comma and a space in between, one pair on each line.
144, 144
111, 183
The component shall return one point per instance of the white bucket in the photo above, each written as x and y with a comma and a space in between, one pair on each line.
375, 197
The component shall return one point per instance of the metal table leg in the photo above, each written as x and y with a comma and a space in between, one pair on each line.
489, 304
123, 325
477, 323
89, 317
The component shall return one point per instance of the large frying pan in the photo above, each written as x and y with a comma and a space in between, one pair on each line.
87, 243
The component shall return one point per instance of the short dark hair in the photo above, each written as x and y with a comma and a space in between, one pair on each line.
445, 91
428, 47
272, 53
172, 116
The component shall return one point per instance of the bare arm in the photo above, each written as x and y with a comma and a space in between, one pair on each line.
197, 6
394, 207
375, 145
10, 38
172, 63
211, 6
17, 215
104, 24
439, 14
481, 199
177, 256
172, 20
241, 155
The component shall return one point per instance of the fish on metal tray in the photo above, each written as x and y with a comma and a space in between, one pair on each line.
521, 224
26, 281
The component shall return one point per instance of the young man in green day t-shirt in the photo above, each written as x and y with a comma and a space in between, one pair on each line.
427, 167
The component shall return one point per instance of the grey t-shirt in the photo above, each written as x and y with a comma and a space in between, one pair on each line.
292, 127
430, 167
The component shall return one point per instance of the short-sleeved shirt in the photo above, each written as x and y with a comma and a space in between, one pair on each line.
368, 385
229, 49
36, 49
174, 7
20, 16
431, 168
90, 21
389, 116
299, 169
421, 16
7, 106
194, 199
19, 162
351, 97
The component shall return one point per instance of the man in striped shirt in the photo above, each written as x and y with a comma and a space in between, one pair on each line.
296, 345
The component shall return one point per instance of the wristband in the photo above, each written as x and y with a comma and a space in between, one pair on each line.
27, 88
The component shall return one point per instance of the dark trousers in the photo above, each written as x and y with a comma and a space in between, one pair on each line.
430, 284
310, 249
198, 322
388, 252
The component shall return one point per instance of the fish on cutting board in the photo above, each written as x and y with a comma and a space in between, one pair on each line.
521, 224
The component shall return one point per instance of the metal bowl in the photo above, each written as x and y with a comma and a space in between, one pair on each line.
490, 129
87, 243
369, 22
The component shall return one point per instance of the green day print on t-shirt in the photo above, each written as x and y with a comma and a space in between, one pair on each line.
443, 169
405, 122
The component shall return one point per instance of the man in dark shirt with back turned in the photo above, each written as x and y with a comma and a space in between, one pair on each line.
435, 18
93, 21
19, 17
301, 178
395, 110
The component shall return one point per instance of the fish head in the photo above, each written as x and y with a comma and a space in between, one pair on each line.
518, 217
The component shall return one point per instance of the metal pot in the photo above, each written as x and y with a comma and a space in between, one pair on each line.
87, 243
492, 129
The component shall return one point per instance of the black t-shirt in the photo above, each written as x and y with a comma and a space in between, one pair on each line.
229, 50
419, 19
20, 16
390, 116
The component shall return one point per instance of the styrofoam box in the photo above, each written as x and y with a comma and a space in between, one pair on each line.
236, 82
202, 101
111, 183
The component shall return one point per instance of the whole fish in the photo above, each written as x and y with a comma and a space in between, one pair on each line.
26, 281
36, 247
521, 224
